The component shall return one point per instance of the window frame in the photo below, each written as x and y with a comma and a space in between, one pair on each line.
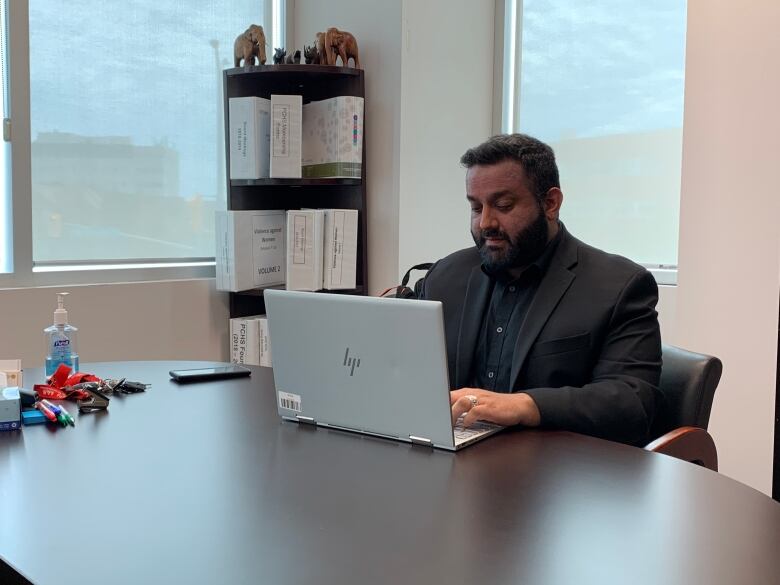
506, 85
19, 183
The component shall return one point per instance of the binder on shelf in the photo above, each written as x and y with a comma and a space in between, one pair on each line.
243, 340
249, 341
286, 114
264, 341
249, 120
333, 138
340, 249
249, 249
305, 241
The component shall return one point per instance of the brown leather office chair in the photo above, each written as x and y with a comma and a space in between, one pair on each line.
688, 383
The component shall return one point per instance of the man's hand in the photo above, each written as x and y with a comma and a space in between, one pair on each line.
495, 407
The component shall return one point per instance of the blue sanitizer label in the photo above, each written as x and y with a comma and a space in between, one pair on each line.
60, 348
61, 353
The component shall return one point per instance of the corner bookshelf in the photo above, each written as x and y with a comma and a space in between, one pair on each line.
313, 83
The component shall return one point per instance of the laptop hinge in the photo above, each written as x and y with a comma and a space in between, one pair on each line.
305, 419
421, 441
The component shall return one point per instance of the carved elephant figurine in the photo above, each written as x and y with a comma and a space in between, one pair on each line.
249, 44
342, 44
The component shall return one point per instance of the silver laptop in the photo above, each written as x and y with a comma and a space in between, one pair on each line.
371, 365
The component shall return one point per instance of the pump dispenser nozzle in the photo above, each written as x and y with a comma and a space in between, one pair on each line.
60, 314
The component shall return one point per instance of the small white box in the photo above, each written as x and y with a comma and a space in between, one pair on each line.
305, 240
286, 136
333, 138
249, 120
340, 255
10, 373
249, 249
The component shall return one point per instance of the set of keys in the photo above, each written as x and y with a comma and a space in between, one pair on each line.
99, 392
124, 386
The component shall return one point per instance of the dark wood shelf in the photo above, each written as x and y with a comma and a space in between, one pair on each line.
288, 69
294, 182
312, 83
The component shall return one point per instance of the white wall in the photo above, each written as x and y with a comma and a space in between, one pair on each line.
667, 312
425, 104
185, 319
376, 25
446, 107
729, 259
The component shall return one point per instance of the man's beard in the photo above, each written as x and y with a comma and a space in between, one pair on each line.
523, 249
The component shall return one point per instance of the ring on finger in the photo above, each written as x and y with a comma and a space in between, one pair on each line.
473, 400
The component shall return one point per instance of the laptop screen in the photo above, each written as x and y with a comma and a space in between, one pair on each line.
368, 364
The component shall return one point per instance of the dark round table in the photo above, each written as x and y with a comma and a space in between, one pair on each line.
204, 484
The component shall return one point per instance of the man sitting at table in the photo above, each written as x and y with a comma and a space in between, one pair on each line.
543, 330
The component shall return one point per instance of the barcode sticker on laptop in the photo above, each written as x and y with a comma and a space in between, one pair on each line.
290, 401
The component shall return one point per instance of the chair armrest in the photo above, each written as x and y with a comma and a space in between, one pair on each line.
689, 444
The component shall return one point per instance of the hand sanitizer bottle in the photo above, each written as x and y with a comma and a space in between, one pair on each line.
61, 340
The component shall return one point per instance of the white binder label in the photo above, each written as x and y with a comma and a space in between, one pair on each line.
299, 239
281, 130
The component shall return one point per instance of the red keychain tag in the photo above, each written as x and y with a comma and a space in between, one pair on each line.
61, 382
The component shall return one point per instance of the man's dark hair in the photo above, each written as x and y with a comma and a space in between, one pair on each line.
536, 158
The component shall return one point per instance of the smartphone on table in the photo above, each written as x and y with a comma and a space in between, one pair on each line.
205, 374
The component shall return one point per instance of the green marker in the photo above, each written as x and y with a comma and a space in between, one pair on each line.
69, 418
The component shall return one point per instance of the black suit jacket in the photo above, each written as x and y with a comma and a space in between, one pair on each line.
589, 350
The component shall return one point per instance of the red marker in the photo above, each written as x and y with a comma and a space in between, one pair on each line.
47, 412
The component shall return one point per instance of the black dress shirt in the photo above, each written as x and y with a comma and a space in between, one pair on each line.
509, 303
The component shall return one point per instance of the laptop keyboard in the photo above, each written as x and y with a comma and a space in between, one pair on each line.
462, 433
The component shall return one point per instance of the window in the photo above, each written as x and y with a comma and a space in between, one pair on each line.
602, 83
6, 232
126, 131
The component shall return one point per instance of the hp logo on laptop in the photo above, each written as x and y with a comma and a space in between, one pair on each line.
351, 363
